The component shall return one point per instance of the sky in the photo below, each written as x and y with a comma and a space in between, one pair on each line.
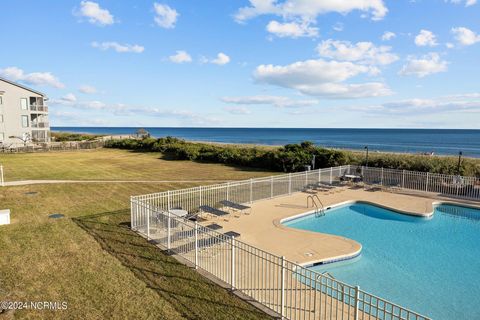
248, 63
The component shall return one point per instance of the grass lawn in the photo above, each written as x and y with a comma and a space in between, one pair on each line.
113, 164
90, 258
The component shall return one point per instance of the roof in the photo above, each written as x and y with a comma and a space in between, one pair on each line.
23, 87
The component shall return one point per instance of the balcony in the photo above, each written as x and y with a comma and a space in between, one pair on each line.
40, 124
37, 108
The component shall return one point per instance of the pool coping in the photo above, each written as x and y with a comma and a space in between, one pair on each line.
428, 215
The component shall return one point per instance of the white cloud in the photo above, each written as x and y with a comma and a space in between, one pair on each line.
426, 38
449, 45
221, 59
465, 36
363, 52
455, 103
71, 101
120, 109
180, 57
468, 3
276, 101
95, 14
69, 98
122, 48
321, 78
424, 66
291, 29
338, 27
237, 110
388, 35
308, 10
87, 89
34, 78
165, 16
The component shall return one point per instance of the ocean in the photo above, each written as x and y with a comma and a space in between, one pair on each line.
438, 141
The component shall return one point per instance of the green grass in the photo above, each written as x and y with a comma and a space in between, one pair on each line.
111, 164
90, 258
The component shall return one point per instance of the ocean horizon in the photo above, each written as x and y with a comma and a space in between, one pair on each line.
419, 141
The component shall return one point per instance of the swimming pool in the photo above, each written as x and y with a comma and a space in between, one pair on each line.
430, 265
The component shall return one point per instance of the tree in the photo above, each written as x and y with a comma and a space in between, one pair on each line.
25, 138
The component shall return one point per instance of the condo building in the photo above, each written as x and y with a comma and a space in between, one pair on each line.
23, 115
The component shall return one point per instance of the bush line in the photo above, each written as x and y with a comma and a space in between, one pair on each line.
294, 157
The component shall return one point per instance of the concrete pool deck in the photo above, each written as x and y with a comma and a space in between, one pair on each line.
262, 227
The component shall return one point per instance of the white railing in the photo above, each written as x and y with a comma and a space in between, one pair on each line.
442, 184
291, 290
247, 191
39, 108
40, 124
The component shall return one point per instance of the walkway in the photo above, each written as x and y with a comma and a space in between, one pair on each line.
30, 182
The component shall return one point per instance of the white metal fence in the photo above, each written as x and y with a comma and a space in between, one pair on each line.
293, 291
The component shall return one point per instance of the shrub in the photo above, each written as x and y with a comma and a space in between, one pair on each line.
67, 136
293, 157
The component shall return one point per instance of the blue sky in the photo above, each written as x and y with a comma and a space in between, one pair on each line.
257, 63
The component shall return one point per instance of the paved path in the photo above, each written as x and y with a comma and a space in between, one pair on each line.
29, 182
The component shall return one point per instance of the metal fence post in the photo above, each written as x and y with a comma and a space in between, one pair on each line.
306, 177
148, 222
200, 196
232, 275
228, 189
131, 214
381, 178
271, 187
331, 175
251, 190
169, 231
196, 245
282, 289
290, 183
403, 179
168, 201
357, 302
426, 183
1, 176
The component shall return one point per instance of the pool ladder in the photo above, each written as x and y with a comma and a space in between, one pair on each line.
319, 208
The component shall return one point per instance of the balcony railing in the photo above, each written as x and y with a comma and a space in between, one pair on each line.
40, 124
38, 108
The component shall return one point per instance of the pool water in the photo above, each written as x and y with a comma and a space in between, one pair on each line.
429, 265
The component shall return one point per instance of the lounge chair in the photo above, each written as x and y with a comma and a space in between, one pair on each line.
232, 234
213, 211
234, 205
309, 188
324, 187
214, 226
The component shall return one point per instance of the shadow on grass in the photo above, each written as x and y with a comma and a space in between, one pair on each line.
193, 296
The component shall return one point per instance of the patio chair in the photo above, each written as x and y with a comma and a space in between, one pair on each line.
213, 211
235, 206
232, 234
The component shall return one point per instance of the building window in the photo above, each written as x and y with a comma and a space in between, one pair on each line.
24, 121
23, 103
